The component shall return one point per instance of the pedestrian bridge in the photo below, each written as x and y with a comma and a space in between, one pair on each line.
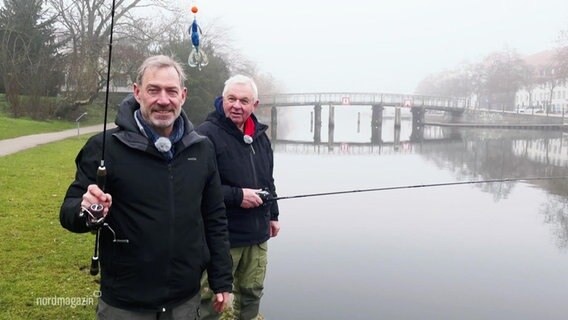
451, 110
371, 99
417, 104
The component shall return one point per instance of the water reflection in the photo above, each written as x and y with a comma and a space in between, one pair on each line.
483, 251
554, 211
479, 154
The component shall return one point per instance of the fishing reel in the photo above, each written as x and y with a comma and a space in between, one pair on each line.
95, 220
265, 195
94, 215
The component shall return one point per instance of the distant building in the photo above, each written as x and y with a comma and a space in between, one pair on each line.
548, 93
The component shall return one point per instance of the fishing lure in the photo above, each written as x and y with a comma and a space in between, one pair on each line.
197, 58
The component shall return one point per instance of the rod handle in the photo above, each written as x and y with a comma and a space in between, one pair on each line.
101, 177
94, 266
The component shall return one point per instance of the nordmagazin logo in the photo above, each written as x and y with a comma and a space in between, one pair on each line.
57, 301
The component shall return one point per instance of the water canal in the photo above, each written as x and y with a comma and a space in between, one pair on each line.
480, 251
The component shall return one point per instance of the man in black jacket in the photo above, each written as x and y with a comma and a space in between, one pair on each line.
245, 160
165, 221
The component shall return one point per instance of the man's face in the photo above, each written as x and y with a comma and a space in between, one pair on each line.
239, 104
160, 97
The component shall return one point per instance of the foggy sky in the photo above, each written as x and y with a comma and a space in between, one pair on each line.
378, 46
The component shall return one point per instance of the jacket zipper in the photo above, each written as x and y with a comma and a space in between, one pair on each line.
171, 231
252, 154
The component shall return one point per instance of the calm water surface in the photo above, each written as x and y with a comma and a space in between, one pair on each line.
476, 251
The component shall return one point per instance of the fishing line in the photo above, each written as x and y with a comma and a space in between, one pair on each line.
416, 186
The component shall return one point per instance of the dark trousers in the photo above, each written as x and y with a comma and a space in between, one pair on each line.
186, 311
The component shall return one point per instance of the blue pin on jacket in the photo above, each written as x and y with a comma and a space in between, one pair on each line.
197, 58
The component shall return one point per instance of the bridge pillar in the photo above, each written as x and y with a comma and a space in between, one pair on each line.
456, 116
273, 123
331, 126
396, 142
317, 123
377, 124
417, 116
417, 133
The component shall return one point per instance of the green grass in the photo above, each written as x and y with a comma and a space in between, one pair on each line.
12, 127
39, 260
16, 127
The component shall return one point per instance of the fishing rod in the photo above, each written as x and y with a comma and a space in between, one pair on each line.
94, 214
265, 195
101, 170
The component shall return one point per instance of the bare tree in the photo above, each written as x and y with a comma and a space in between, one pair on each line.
505, 71
528, 81
562, 53
450, 83
551, 76
85, 27
477, 76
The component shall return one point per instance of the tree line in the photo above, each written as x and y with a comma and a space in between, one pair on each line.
53, 54
494, 81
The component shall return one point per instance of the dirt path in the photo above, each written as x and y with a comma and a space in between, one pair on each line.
14, 145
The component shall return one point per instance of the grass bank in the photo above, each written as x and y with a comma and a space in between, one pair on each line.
44, 271
17, 127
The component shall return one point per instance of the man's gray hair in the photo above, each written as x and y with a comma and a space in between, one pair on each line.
161, 61
241, 79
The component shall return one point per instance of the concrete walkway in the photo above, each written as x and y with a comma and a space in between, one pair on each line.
14, 145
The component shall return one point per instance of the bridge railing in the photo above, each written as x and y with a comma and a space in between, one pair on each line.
350, 98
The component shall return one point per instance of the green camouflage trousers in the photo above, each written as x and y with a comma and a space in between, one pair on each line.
249, 270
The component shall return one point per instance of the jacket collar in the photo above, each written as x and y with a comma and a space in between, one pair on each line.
131, 135
228, 125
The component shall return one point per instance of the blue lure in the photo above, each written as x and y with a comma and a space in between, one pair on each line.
197, 58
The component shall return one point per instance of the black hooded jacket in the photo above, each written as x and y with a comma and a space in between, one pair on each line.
243, 165
168, 217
